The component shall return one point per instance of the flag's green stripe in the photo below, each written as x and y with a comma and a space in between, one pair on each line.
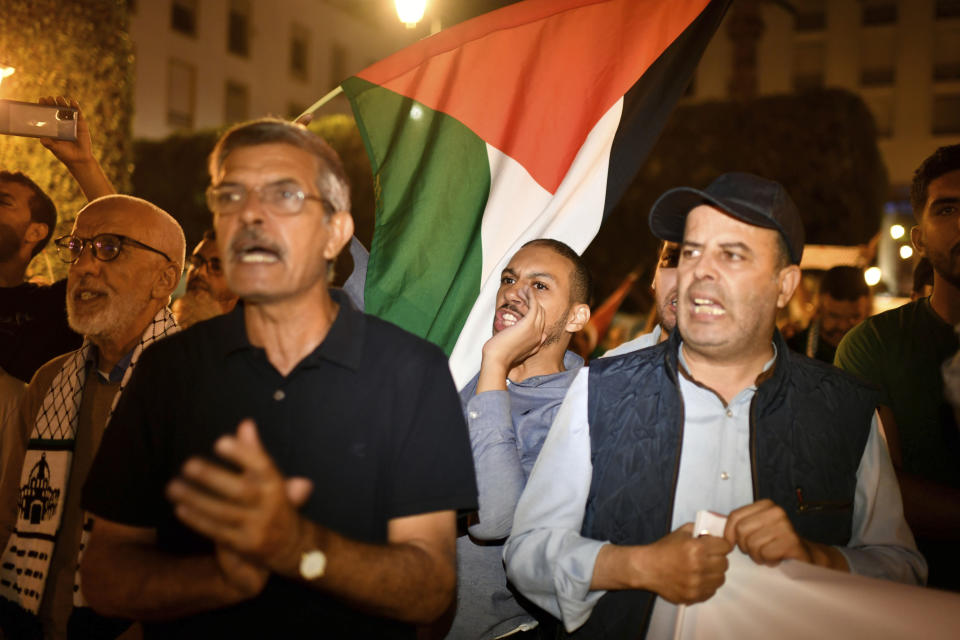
432, 180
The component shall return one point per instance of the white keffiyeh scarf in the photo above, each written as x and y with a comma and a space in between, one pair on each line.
46, 469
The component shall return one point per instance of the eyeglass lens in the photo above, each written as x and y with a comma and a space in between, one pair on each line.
105, 247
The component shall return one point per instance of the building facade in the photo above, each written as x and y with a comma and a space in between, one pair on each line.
206, 63
901, 56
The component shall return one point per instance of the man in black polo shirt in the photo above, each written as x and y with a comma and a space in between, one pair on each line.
294, 467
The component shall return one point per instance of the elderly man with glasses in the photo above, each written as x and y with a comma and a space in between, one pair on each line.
125, 256
306, 481
208, 295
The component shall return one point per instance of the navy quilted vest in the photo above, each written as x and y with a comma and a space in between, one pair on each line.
809, 424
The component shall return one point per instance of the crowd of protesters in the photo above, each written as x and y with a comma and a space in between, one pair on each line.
261, 458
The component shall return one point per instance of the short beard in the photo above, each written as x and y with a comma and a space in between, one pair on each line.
114, 320
558, 330
196, 305
10, 242
942, 265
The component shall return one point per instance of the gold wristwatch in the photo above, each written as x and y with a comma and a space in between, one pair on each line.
313, 564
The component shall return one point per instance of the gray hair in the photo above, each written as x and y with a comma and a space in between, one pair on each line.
331, 180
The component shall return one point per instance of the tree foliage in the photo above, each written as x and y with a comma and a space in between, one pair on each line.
820, 145
80, 49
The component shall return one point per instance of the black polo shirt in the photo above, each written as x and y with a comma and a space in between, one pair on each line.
371, 417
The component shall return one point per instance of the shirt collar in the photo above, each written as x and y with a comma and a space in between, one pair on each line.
571, 365
343, 344
116, 373
765, 374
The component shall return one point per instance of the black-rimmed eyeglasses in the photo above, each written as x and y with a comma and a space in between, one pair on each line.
105, 247
213, 265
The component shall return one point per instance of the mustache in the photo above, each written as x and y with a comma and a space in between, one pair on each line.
86, 282
198, 282
252, 238
511, 307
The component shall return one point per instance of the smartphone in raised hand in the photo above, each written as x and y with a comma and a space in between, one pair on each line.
37, 120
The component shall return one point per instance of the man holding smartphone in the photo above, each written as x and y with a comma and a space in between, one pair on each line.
33, 319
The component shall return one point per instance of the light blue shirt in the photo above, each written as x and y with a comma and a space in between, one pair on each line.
640, 342
507, 430
552, 564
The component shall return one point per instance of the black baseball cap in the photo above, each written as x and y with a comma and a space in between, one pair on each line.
746, 197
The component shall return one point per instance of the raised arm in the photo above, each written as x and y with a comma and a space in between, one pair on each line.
77, 156
493, 436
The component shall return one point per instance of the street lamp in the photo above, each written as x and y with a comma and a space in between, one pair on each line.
410, 12
5, 71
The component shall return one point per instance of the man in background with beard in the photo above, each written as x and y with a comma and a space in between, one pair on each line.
843, 301
665, 298
126, 256
902, 351
207, 293
33, 325
510, 404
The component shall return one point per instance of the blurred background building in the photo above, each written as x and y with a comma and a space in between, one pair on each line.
206, 63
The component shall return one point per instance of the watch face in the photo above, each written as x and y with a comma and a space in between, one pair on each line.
312, 564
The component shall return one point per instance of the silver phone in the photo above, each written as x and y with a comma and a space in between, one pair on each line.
37, 120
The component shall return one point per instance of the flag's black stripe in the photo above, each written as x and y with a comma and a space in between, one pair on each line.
648, 103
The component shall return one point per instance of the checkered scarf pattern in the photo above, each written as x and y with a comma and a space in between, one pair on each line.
46, 468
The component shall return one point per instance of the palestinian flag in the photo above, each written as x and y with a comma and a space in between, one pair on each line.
526, 122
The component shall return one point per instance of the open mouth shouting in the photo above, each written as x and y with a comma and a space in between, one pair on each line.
706, 306
506, 316
249, 248
86, 294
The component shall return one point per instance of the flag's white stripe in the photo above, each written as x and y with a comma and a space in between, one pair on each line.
519, 210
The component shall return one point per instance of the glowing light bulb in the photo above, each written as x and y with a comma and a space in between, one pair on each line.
5, 72
410, 12
906, 252
872, 276
897, 231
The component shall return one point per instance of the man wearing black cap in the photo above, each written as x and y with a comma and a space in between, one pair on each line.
720, 417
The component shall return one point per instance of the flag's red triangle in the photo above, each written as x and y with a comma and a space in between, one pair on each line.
532, 79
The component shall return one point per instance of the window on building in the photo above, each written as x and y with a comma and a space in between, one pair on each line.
877, 57
338, 63
946, 53
808, 61
236, 102
181, 93
811, 15
238, 27
877, 12
299, 51
183, 16
882, 109
946, 9
946, 113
